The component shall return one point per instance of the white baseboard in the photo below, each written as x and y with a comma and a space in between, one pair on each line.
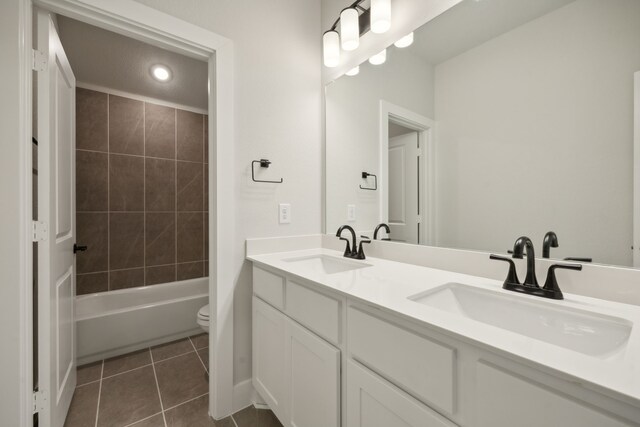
245, 395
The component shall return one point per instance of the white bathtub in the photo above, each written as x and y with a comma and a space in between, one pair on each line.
112, 323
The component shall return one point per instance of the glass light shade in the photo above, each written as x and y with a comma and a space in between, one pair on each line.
380, 16
160, 73
349, 29
353, 72
331, 48
406, 41
379, 58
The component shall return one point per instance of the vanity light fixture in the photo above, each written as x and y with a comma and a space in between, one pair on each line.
380, 16
379, 58
354, 21
331, 48
406, 41
353, 72
350, 29
161, 73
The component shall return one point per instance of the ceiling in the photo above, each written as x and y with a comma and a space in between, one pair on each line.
103, 58
474, 22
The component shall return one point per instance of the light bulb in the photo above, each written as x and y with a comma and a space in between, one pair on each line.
161, 73
353, 72
406, 41
331, 48
380, 16
349, 29
379, 58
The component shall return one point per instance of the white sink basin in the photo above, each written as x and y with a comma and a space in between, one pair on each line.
578, 330
327, 264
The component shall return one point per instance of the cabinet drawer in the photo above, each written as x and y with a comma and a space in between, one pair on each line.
505, 398
373, 402
422, 367
269, 287
316, 311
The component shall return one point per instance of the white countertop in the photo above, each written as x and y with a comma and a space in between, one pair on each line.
388, 284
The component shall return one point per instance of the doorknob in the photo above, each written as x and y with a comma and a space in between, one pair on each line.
79, 248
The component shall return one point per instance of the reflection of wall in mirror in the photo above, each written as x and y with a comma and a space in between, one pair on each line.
353, 108
535, 133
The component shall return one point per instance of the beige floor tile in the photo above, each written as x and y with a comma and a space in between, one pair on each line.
204, 356
180, 379
194, 414
172, 349
128, 397
127, 362
84, 406
200, 340
89, 373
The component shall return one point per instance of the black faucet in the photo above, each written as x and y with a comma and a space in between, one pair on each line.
550, 241
530, 285
386, 228
518, 252
352, 251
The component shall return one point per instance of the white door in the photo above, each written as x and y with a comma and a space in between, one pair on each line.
314, 380
56, 209
269, 350
404, 190
373, 402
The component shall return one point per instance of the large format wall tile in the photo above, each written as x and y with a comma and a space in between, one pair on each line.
160, 131
190, 136
190, 182
91, 120
160, 185
92, 229
126, 125
126, 183
126, 242
92, 181
142, 193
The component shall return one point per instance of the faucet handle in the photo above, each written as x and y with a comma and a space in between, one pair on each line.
363, 240
551, 284
512, 275
347, 250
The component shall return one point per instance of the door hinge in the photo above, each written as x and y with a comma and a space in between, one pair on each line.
39, 401
419, 152
39, 60
40, 231
419, 219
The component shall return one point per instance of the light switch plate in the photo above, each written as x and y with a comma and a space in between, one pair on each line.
285, 213
351, 212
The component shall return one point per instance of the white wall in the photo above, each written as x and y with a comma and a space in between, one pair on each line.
536, 134
13, 217
278, 112
352, 130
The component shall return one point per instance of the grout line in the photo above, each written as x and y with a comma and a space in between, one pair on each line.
138, 212
138, 155
175, 182
138, 268
173, 357
198, 354
144, 419
144, 193
186, 401
99, 395
164, 419
234, 420
127, 371
85, 384
108, 197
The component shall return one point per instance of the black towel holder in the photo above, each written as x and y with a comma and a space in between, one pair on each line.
264, 163
366, 175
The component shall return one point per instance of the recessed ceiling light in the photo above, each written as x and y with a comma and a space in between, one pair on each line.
161, 73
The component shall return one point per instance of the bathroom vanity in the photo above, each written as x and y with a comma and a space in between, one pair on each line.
378, 343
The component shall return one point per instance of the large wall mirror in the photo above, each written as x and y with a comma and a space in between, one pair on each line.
503, 118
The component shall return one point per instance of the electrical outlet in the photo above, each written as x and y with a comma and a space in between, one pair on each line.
351, 212
285, 213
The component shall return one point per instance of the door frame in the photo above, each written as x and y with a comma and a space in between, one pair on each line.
149, 25
426, 140
636, 170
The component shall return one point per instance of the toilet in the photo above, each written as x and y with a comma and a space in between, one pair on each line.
203, 318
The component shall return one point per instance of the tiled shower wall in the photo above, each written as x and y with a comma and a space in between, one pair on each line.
141, 193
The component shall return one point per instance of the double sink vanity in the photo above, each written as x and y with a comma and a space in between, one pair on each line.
374, 342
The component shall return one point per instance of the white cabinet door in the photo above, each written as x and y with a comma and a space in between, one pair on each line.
505, 400
269, 351
372, 402
313, 379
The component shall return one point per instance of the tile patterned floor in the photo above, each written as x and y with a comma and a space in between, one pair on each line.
161, 386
